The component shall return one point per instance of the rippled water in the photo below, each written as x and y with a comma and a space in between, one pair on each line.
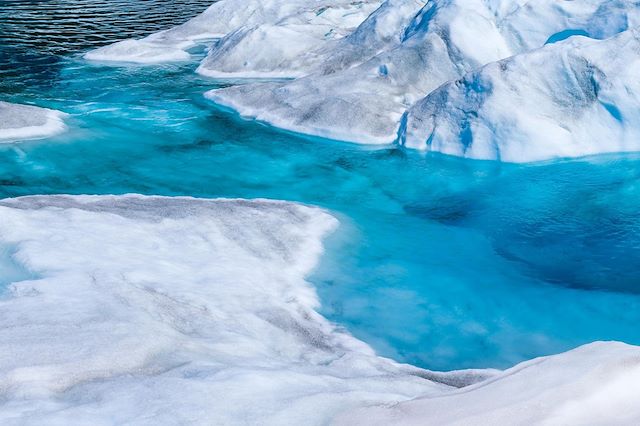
34, 33
441, 262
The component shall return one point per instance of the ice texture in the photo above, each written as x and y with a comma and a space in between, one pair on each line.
19, 122
154, 310
264, 33
310, 41
447, 39
573, 98
365, 70
596, 384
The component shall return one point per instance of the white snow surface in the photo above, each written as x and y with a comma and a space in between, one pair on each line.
362, 69
273, 31
365, 102
19, 122
152, 310
596, 384
309, 42
574, 98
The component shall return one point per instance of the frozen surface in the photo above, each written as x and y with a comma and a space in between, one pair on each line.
189, 311
310, 41
261, 33
181, 311
572, 98
597, 384
445, 40
28, 122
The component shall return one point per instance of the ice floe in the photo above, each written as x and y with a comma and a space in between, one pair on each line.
261, 33
299, 45
574, 98
447, 39
360, 66
596, 384
19, 122
153, 310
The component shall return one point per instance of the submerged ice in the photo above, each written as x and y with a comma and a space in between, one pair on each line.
28, 122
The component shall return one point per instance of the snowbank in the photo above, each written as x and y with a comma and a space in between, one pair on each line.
574, 98
153, 310
310, 41
268, 29
176, 311
444, 41
28, 122
597, 384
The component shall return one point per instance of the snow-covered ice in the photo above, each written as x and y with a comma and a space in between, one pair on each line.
310, 41
176, 311
19, 121
447, 39
597, 384
261, 33
153, 310
577, 97
360, 66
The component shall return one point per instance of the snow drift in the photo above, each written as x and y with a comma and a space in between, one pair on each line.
366, 102
28, 122
270, 29
153, 310
574, 98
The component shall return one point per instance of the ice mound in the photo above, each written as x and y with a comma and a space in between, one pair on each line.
145, 51
262, 32
153, 310
28, 122
444, 41
596, 384
319, 37
574, 98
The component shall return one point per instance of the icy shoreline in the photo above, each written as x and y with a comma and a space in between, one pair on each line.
143, 308
182, 310
219, 284
363, 74
18, 122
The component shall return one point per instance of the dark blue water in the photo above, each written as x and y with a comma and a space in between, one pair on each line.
441, 262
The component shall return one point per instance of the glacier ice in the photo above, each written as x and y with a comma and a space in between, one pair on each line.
447, 39
302, 44
363, 69
149, 309
153, 310
596, 384
274, 31
19, 121
573, 98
